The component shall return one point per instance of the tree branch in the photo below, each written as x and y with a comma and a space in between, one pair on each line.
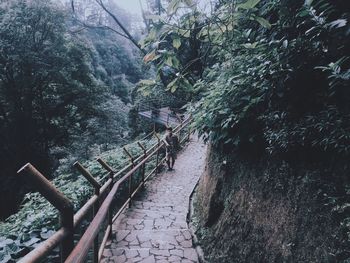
129, 36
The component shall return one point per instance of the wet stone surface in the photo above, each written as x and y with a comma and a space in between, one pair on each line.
154, 229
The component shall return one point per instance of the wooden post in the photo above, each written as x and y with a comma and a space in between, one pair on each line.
88, 177
58, 200
143, 168
189, 134
157, 160
110, 210
180, 131
130, 178
105, 165
96, 206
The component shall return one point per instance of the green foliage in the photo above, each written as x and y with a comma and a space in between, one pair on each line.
37, 220
62, 91
115, 64
47, 91
276, 73
269, 88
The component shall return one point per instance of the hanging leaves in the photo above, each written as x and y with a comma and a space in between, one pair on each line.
263, 22
250, 45
172, 86
176, 43
151, 56
248, 5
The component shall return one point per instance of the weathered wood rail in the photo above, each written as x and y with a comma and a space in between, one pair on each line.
101, 203
159, 113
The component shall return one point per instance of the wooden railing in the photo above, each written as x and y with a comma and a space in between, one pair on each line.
101, 203
164, 114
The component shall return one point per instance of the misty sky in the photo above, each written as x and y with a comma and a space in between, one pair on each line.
132, 6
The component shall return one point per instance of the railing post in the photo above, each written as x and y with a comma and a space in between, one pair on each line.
96, 206
130, 178
105, 165
180, 131
189, 134
111, 173
143, 168
58, 200
157, 160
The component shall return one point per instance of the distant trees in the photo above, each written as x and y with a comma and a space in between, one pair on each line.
47, 91
106, 15
116, 63
61, 90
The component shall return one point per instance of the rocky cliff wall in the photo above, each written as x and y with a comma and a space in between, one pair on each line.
272, 211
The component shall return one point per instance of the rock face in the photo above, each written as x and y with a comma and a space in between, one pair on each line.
210, 187
269, 211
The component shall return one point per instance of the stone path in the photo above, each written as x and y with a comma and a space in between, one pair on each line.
154, 229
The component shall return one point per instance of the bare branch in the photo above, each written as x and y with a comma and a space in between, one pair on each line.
126, 33
129, 36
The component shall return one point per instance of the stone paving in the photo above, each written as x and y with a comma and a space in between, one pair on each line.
155, 229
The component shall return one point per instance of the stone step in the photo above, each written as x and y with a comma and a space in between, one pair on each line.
144, 255
170, 188
168, 184
157, 206
157, 239
179, 200
148, 224
135, 213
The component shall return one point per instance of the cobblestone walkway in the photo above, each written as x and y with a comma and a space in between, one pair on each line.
154, 229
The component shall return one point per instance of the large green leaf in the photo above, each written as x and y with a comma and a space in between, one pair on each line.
172, 86
248, 5
176, 62
147, 82
262, 21
151, 56
169, 61
250, 45
176, 43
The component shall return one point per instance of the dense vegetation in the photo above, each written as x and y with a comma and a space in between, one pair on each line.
63, 91
276, 73
284, 89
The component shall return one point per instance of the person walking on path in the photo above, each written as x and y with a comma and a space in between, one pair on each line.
170, 140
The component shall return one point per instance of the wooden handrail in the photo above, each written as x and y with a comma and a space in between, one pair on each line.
64, 235
81, 250
88, 177
58, 200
